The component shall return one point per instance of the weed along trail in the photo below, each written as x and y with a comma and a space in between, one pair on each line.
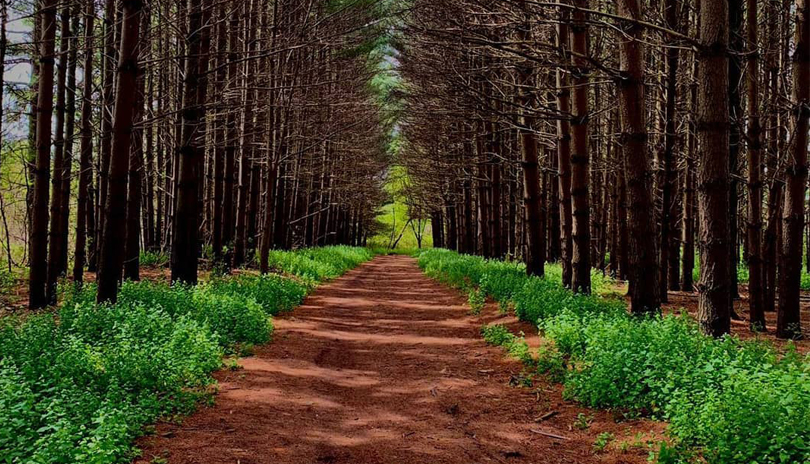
383, 365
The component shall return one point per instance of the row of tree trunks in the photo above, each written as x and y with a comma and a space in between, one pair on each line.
693, 69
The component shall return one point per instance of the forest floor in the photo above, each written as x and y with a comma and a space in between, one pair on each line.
384, 365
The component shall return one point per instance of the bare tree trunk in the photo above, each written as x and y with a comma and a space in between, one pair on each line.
714, 310
688, 264
220, 132
624, 235
84, 204
483, 201
112, 247
132, 248
185, 243
3, 50
754, 258
38, 275
580, 155
31, 158
232, 126
105, 154
669, 181
644, 295
736, 41
246, 159
564, 151
70, 130
788, 323
55, 233
535, 261
775, 201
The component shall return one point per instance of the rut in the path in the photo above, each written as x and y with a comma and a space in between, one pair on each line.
381, 366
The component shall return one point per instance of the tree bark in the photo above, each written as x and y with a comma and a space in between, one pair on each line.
756, 277
108, 107
788, 323
38, 275
714, 307
84, 205
111, 260
55, 232
185, 244
736, 42
644, 295
580, 155
564, 151
669, 181
132, 247
535, 261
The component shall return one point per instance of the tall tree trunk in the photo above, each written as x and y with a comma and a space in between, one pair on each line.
108, 103
3, 51
111, 260
232, 126
775, 188
737, 44
688, 265
483, 200
580, 155
564, 151
185, 243
535, 261
554, 207
246, 160
220, 133
644, 295
788, 323
38, 274
670, 178
31, 158
84, 205
132, 248
70, 130
714, 308
754, 258
55, 232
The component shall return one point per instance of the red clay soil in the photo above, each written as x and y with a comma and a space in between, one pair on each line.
386, 366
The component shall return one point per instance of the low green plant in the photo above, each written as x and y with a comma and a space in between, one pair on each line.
81, 384
728, 400
154, 258
602, 441
515, 345
583, 421
477, 299
319, 264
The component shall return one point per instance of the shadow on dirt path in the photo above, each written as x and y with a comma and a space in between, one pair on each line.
385, 366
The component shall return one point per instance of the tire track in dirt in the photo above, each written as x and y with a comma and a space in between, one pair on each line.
384, 366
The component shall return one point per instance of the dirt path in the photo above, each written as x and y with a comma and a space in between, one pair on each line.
384, 366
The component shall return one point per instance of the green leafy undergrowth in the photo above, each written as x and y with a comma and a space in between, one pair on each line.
319, 264
727, 400
79, 385
515, 345
152, 258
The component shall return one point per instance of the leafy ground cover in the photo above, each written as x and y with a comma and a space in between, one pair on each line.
81, 384
727, 401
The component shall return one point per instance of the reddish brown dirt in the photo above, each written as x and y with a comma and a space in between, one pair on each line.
386, 366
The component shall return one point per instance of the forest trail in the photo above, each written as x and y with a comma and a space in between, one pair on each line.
383, 365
